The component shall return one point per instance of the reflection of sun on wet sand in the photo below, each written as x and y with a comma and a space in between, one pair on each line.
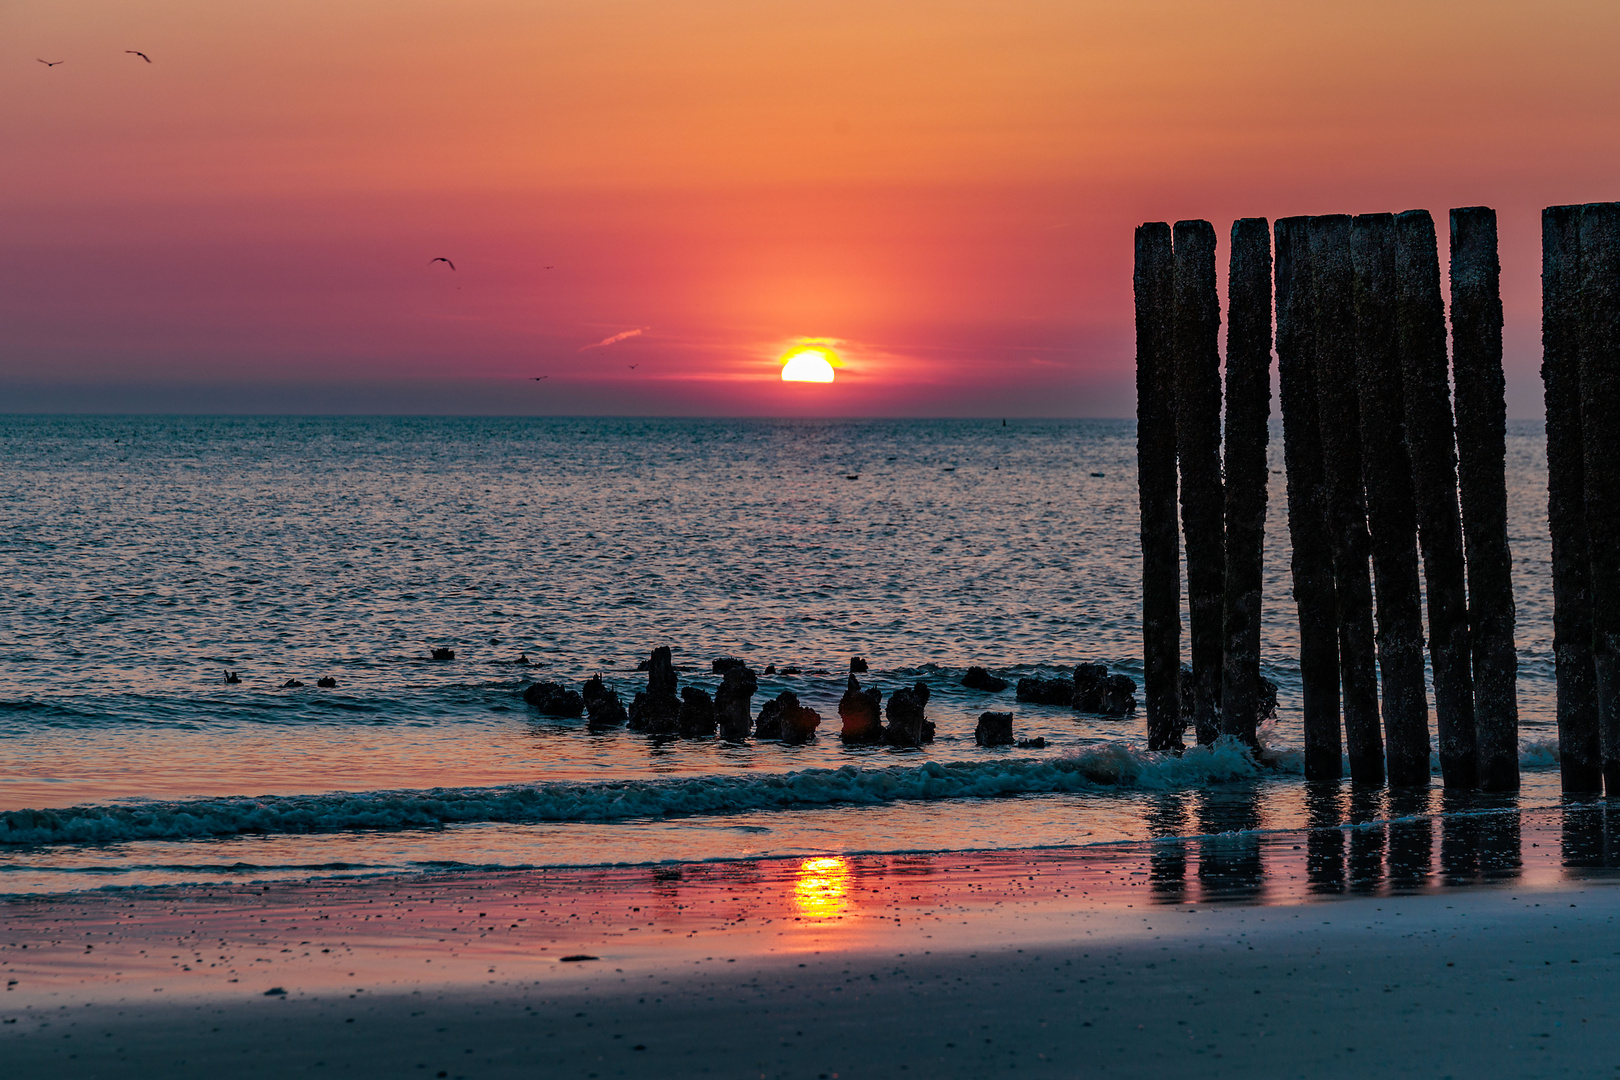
1466, 943
819, 892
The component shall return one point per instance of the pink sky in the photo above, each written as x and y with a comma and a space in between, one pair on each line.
946, 189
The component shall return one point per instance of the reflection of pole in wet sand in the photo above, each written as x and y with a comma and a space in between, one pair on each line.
1411, 840
1501, 850
1366, 840
1167, 864
1229, 864
1324, 842
820, 891
1479, 845
1583, 839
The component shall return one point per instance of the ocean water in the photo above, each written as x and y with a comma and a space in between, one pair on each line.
141, 558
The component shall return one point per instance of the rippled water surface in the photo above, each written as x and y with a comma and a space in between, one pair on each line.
142, 558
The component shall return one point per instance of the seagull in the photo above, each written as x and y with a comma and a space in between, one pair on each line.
444, 260
632, 366
537, 378
137, 52
50, 63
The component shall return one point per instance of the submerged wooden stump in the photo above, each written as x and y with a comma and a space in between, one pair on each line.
1154, 282
1198, 449
1580, 752
1248, 408
1307, 501
1391, 512
1338, 400
1476, 357
1600, 434
1421, 326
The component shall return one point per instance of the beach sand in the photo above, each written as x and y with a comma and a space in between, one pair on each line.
1486, 946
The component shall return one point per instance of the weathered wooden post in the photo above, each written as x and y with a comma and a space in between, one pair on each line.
1600, 435
1307, 517
1198, 449
1421, 326
1476, 358
1580, 751
1391, 513
1346, 500
1248, 408
1156, 483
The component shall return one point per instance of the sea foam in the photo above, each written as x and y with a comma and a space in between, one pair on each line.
1108, 766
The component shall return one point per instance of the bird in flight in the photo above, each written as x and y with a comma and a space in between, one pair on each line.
137, 52
632, 367
444, 260
50, 63
537, 378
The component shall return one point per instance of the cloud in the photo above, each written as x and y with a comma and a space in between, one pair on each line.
616, 337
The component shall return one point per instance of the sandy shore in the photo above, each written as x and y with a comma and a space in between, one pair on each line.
1226, 957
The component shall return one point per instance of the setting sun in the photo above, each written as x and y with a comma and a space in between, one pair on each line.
808, 365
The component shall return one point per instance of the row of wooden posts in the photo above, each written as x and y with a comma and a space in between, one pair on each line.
1382, 464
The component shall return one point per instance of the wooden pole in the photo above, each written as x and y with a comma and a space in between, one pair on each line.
1476, 360
1307, 518
1421, 326
1600, 434
1198, 449
1248, 408
1580, 750
1156, 484
1346, 497
1391, 512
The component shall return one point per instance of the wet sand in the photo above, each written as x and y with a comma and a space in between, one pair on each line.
1485, 944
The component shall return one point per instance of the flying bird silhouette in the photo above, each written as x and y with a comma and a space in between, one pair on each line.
633, 367
537, 378
137, 52
444, 260
50, 63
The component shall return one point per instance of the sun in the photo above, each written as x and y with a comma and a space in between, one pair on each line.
812, 363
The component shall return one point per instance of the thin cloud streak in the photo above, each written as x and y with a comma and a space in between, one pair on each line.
616, 337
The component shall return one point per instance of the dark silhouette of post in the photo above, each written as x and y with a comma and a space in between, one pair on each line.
1600, 435
1421, 325
1307, 501
1476, 359
1198, 449
1248, 408
1580, 750
1156, 483
1337, 398
1391, 512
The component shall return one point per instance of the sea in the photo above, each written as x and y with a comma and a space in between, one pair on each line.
143, 558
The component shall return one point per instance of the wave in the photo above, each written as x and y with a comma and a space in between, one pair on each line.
1113, 765
1109, 766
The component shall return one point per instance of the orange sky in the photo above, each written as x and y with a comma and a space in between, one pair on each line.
948, 189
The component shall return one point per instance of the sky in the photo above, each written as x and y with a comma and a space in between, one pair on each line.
944, 192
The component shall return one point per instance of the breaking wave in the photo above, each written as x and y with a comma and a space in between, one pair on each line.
1109, 766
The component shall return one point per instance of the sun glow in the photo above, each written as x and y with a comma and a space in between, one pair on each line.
808, 364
